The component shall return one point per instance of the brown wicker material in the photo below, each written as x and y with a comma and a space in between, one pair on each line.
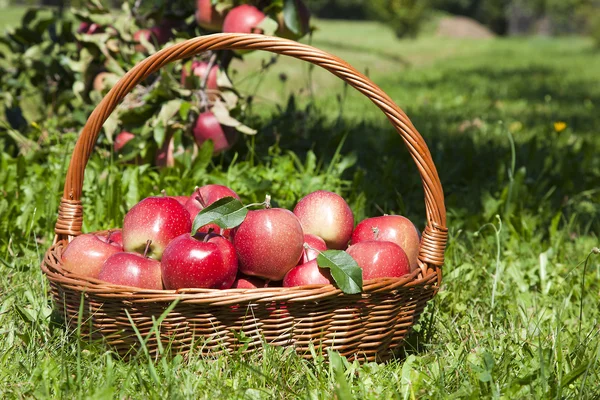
369, 326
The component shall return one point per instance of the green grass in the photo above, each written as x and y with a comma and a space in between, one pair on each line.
514, 318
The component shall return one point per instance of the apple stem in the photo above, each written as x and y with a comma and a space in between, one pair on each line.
268, 201
164, 193
147, 248
110, 233
199, 197
375, 233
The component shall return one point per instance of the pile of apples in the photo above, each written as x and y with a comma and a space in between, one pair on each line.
157, 249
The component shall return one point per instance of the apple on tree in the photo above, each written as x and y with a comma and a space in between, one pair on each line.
208, 17
391, 228
199, 70
200, 261
327, 215
243, 19
159, 219
208, 127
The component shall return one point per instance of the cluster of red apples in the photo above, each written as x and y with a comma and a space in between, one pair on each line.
157, 249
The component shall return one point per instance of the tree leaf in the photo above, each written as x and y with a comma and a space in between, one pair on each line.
344, 269
227, 212
291, 17
268, 26
168, 111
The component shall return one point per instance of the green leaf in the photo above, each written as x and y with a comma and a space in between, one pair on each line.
344, 269
227, 212
291, 17
268, 26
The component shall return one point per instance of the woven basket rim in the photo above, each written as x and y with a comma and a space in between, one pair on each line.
52, 267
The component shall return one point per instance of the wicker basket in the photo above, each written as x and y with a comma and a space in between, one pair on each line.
368, 326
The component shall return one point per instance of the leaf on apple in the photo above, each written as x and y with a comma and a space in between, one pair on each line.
345, 271
227, 212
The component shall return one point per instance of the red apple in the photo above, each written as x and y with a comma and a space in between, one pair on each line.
137, 37
199, 69
391, 228
249, 282
181, 199
122, 139
132, 269
206, 195
114, 237
328, 216
243, 19
307, 274
269, 243
208, 127
191, 263
208, 17
86, 254
90, 28
315, 245
162, 33
159, 219
379, 259
303, 18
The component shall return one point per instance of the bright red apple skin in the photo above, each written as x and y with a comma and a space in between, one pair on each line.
316, 245
207, 16
391, 228
132, 269
268, 243
191, 263
249, 282
114, 237
307, 274
327, 215
86, 254
208, 127
243, 19
206, 195
122, 139
181, 199
200, 69
159, 219
379, 259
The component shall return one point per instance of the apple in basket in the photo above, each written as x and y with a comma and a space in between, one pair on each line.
132, 269
199, 261
307, 274
391, 228
268, 243
86, 254
249, 282
380, 259
204, 197
327, 215
159, 219
312, 246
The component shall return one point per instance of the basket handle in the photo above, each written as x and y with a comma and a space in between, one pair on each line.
70, 213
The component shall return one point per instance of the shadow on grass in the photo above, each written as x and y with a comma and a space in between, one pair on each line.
553, 171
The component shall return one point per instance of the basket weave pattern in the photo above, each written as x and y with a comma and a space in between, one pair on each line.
368, 326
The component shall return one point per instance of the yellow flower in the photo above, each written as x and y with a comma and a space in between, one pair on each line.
560, 126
